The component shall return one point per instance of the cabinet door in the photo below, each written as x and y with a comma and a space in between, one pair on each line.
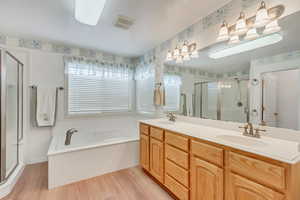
144, 151
157, 159
244, 189
206, 180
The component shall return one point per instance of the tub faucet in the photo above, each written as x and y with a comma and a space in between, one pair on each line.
69, 134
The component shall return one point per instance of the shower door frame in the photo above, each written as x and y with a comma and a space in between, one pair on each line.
3, 85
219, 100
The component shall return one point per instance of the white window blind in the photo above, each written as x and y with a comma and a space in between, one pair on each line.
95, 88
172, 85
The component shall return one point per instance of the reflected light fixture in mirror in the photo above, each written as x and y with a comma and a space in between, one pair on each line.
179, 60
89, 11
246, 46
262, 16
169, 56
241, 26
185, 47
234, 39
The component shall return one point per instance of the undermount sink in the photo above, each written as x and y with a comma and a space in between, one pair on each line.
243, 140
167, 122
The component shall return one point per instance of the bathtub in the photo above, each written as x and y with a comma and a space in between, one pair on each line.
90, 154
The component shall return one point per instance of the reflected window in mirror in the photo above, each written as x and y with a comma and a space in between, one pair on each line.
172, 85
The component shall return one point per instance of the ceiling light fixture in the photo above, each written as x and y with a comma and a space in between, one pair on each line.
89, 11
246, 46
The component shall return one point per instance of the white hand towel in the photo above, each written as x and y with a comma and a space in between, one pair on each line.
46, 106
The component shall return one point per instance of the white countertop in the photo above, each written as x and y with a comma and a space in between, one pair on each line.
277, 149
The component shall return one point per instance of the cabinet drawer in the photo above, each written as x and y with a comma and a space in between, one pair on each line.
177, 141
178, 190
208, 152
144, 129
179, 157
261, 171
177, 173
157, 133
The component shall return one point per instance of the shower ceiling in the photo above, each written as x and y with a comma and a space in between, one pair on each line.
154, 22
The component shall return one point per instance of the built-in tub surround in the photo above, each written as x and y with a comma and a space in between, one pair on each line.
194, 160
90, 154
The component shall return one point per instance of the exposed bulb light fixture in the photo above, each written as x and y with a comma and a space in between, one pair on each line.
223, 33
272, 27
251, 34
89, 11
241, 26
184, 53
246, 46
262, 16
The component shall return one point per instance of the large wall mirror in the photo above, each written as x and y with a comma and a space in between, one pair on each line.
261, 85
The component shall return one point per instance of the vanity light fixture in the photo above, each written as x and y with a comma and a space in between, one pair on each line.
246, 46
265, 22
89, 11
185, 47
262, 16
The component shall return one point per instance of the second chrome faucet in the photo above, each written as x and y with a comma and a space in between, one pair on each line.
250, 131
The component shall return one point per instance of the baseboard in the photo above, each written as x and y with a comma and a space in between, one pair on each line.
37, 160
8, 186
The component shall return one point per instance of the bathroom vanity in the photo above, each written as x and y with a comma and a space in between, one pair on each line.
196, 162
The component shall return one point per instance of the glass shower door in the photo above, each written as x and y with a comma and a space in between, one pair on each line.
11, 115
209, 100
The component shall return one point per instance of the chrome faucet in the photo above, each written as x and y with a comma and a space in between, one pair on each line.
171, 117
249, 130
69, 134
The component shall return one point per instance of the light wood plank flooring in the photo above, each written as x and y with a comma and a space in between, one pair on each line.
128, 184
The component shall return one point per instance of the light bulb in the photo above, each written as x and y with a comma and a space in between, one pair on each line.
179, 60
194, 54
234, 39
241, 27
262, 16
272, 27
185, 47
251, 34
223, 33
186, 57
176, 52
169, 56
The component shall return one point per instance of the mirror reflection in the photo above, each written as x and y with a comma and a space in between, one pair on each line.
222, 83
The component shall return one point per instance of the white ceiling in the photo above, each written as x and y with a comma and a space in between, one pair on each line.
241, 62
155, 22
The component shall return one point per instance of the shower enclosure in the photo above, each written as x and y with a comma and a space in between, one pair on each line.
11, 112
222, 100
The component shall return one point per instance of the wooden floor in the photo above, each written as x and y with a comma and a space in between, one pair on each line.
129, 184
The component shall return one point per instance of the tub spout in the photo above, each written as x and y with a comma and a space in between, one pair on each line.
69, 134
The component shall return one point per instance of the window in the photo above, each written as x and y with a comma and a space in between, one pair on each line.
144, 77
98, 87
172, 89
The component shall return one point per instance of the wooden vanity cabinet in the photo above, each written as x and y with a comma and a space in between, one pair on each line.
194, 169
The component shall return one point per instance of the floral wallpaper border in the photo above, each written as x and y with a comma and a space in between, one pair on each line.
60, 48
